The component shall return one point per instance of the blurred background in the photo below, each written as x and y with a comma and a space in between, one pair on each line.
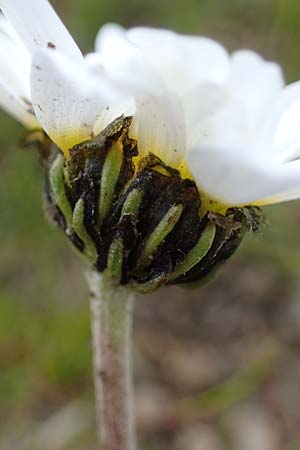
215, 369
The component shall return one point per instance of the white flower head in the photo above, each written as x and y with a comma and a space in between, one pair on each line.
228, 121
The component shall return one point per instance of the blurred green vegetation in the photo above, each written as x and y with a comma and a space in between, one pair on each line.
45, 350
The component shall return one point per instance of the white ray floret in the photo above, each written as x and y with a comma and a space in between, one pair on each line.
38, 25
14, 76
68, 98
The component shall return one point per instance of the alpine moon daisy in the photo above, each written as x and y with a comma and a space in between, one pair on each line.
161, 146
159, 150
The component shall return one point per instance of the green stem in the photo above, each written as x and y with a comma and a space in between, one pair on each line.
111, 310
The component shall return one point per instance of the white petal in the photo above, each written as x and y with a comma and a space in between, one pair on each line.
161, 128
125, 107
159, 50
17, 108
287, 136
159, 117
225, 177
15, 76
182, 61
38, 25
255, 82
112, 40
215, 120
7, 29
204, 59
68, 98
15, 65
123, 60
280, 137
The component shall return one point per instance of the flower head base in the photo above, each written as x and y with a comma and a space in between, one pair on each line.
138, 220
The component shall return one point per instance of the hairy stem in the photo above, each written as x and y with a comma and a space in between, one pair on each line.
111, 310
